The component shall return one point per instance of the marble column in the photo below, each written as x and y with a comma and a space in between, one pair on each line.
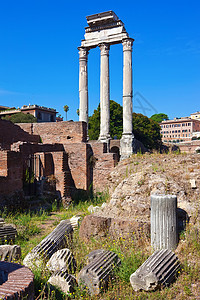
83, 84
126, 142
104, 94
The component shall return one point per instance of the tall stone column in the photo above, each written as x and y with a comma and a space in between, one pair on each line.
104, 94
126, 142
83, 84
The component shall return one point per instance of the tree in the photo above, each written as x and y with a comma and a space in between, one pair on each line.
116, 121
144, 129
159, 117
21, 118
66, 109
78, 111
147, 131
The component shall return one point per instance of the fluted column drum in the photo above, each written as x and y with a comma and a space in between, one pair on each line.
164, 232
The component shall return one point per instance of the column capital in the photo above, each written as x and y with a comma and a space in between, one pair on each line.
104, 47
127, 44
83, 52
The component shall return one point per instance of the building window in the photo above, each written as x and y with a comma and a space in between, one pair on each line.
39, 116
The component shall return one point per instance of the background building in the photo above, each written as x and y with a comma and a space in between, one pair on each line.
43, 114
195, 115
179, 129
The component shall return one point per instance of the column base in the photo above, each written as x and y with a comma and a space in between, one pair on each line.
127, 145
105, 139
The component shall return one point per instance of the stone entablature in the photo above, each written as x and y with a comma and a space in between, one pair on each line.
105, 29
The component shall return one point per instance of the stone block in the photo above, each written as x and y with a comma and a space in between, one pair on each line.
98, 226
193, 183
75, 222
96, 274
160, 269
63, 280
62, 259
10, 253
7, 233
94, 254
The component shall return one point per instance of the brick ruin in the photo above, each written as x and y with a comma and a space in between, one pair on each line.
57, 154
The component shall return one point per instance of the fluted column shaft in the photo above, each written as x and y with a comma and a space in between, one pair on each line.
127, 86
83, 84
127, 140
104, 94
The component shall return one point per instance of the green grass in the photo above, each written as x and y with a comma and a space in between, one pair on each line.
132, 251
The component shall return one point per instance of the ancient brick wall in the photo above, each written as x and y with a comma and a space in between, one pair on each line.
58, 132
10, 133
190, 147
3, 163
12, 182
77, 159
103, 163
64, 181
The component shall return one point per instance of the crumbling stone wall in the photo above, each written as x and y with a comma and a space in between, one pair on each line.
58, 132
102, 163
11, 133
64, 153
11, 171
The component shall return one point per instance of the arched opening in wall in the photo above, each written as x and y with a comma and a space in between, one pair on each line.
115, 150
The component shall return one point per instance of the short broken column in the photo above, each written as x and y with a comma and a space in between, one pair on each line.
98, 272
56, 240
62, 259
61, 279
164, 231
159, 270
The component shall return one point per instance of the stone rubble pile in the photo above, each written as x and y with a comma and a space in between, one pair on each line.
160, 269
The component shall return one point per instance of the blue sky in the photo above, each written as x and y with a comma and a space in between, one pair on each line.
39, 57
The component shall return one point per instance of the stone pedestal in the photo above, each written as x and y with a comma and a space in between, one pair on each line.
127, 140
83, 84
104, 94
127, 147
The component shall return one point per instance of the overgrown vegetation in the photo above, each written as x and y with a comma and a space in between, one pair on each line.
33, 227
21, 118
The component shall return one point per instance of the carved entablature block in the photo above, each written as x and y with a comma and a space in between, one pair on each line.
127, 44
